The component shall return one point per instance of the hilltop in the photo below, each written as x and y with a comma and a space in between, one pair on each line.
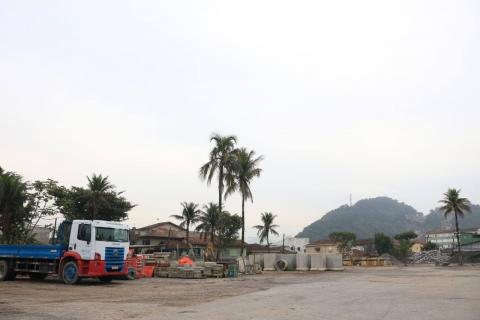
382, 214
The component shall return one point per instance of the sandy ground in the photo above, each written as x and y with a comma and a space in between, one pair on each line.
425, 292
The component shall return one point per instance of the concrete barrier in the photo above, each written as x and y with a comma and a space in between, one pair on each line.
317, 262
334, 262
269, 260
302, 262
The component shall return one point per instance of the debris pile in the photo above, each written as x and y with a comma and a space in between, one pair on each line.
432, 256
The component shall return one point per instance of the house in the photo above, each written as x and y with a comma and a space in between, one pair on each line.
321, 246
417, 246
445, 239
170, 237
364, 247
293, 244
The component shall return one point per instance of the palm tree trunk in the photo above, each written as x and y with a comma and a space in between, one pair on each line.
220, 188
458, 240
268, 244
188, 231
243, 226
94, 209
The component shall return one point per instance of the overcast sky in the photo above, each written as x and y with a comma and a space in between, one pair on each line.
368, 98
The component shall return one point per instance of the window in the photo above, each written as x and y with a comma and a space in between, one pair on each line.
111, 234
84, 232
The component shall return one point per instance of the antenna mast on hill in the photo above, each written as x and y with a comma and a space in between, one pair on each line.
350, 199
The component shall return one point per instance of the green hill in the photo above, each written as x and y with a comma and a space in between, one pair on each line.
381, 214
436, 220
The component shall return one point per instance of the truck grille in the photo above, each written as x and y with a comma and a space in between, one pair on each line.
114, 259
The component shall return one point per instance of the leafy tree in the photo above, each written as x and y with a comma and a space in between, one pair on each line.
190, 215
41, 204
429, 246
100, 201
227, 231
383, 243
344, 240
403, 249
245, 168
13, 213
221, 162
409, 235
405, 243
267, 228
454, 204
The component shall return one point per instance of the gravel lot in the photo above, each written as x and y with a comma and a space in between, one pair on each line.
424, 292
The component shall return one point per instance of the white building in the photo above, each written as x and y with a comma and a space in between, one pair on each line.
444, 239
293, 244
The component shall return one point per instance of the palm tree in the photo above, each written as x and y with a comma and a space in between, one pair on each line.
267, 228
97, 187
190, 215
209, 220
452, 203
244, 170
221, 161
13, 195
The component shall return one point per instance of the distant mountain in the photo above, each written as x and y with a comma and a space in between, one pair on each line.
382, 214
436, 220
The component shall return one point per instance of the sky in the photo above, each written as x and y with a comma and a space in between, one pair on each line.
368, 98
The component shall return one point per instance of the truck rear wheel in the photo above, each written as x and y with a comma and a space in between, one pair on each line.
70, 273
6, 272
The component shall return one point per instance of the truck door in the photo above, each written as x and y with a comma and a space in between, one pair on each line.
81, 240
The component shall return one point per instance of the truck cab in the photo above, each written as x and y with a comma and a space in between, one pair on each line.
85, 249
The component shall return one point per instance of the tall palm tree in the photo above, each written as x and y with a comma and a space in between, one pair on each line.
97, 187
220, 162
452, 203
244, 170
190, 216
267, 228
13, 195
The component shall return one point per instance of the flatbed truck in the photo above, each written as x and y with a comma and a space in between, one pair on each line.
84, 249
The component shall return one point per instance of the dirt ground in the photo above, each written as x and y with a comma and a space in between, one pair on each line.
433, 292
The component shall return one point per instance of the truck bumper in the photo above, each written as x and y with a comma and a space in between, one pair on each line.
97, 268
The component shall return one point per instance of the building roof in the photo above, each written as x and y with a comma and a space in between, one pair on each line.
165, 224
451, 231
322, 242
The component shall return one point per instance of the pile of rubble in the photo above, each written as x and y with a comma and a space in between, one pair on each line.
432, 256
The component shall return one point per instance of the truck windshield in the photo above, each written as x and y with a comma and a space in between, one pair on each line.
111, 234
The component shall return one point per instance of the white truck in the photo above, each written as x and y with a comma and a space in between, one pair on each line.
85, 249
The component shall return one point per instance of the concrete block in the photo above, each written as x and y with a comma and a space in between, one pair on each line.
318, 262
302, 262
334, 262
269, 260
290, 258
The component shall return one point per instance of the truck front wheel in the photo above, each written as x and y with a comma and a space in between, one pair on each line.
6, 273
70, 273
